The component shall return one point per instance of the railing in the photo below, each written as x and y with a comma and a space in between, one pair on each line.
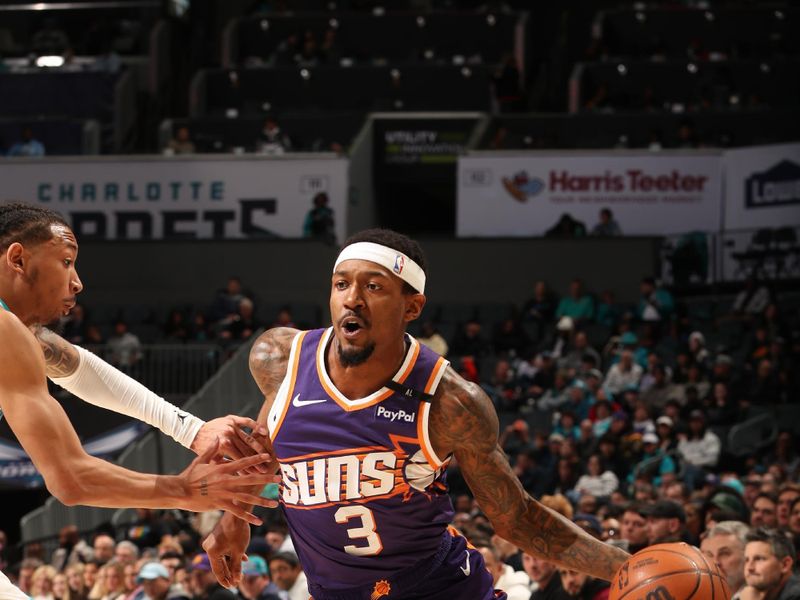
173, 370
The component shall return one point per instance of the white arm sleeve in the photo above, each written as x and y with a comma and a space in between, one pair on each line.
97, 382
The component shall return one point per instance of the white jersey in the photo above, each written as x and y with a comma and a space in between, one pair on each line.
8, 591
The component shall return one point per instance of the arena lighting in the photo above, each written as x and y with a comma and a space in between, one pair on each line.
266, 106
395, 73
50, 61
490, 20
779, 15
622, 69
692, 68
765, 68
466, 72
641, 17
421, 21
709, 15
264, 23
334, 23
39, 6
305, 74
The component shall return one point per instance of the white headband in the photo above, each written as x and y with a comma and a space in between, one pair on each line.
397, 262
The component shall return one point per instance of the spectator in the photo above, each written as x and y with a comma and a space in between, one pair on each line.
607, 226
71, 549
701, 447
176, 328
60, 588
75, 581
432, 338
655, 304
608, 312
661, 390
516, 585
597, 480
91, 572
28, 146
794, 520
42, 583
288, 575
788, 493
180, 143
578, 352
765, 511
469, 341
103, 546
578, 305
634, 527
724, 545
255, 583
319, 224
509, 339
157, 583
502, 388
541, 307
582, 586
665, 522
623, 375
126, 552
655, 464
226, 303
110, 583
769, 557
567, 227
278, 538
51, 39
559, 344
125, 349
203, 584
546, 578
284, 318
272, 140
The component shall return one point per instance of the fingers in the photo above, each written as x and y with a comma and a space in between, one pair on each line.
250, 424
235, 567
256, 500
238, 482
230, 448
219, 565
252, 441
250, 461
241, 513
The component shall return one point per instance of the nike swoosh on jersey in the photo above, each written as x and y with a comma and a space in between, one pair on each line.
300, 403
467, 568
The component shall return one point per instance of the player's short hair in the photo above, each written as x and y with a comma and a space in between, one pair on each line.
395, 241
26, 224
780, 543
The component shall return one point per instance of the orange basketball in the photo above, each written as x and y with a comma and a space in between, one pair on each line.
669, 572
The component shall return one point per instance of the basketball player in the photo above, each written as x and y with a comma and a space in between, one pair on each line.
364, 421
38, 282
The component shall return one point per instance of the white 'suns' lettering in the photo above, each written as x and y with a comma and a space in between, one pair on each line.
396, 415
337, 478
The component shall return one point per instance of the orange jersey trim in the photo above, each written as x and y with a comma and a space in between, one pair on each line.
292, 374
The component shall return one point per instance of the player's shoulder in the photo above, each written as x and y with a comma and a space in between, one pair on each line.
18, 344
461, 406
271, 349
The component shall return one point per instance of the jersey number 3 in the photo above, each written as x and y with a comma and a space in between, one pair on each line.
366, 531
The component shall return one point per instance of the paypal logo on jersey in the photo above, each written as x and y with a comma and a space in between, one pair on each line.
395, 415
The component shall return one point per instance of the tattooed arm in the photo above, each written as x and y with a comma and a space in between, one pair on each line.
94, 381
61, 358
226, 545
464, 423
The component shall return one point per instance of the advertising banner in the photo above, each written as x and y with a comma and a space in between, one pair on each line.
762, 186
648, 194
135, 198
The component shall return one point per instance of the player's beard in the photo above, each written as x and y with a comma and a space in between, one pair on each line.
355, 356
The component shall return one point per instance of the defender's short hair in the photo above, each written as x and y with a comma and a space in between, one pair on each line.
26, 224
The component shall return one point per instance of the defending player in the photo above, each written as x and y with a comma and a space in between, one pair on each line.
38, 282
364, 421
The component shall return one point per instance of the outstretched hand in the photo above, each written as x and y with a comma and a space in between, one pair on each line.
209, 486
225, 547
234, 441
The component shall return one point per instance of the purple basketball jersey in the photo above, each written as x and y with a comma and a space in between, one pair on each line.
363, 490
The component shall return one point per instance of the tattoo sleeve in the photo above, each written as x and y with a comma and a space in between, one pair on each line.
60, 357
463, 421
269, 358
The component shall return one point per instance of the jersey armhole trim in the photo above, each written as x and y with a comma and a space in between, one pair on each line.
283, 398
424, 413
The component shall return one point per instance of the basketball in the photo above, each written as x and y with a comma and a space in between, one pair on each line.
669, 572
